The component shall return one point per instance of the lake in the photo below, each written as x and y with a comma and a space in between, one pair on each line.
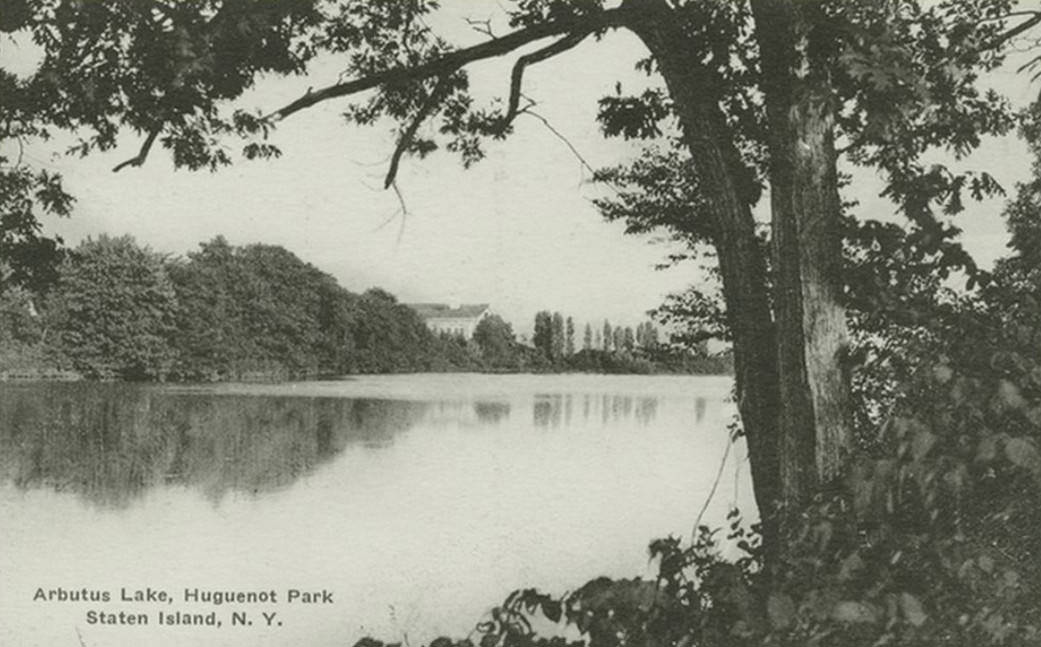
415, 502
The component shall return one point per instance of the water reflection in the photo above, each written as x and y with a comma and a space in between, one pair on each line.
419, 500
492, 413
555, 410
699, 409
111, 443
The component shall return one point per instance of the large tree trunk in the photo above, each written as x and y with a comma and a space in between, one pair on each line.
807, 249
727, 196
791, 393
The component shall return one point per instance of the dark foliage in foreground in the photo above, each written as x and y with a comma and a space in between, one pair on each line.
928, 539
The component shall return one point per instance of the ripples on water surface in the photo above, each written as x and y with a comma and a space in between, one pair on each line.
419, 500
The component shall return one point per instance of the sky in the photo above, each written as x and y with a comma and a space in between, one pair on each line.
517, 231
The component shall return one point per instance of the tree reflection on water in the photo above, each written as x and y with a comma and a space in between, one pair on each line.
555, 410
110, 443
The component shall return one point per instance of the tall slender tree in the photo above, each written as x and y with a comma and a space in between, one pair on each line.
569, 344
558, 343
542, 338
618, 339
628, 339
651, 338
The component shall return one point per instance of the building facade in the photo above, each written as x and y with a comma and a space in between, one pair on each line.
451, 319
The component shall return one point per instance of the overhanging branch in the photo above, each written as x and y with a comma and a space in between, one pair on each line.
517, 76
459, 58
142, 155
410, 132
1026, 25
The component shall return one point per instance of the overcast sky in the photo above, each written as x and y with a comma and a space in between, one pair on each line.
517, 231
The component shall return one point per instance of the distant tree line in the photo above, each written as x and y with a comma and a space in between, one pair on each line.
118, 310
603, 350
617, 349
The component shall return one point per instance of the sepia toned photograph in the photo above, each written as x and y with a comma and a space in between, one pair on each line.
520, 323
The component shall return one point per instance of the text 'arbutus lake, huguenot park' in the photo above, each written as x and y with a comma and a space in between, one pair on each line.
413, 502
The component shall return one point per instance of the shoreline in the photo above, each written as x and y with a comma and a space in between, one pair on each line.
31, 376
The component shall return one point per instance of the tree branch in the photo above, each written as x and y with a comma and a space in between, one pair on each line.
404, 212
142, 155
457, 59
517, 76
410, 132
21, 150
481, 26
1018, 29
561, 137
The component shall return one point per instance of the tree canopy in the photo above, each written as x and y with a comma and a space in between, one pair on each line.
113, 310
118, 310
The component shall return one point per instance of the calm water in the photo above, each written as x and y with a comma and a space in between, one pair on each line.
417, 501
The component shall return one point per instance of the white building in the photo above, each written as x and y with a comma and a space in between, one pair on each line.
452, 319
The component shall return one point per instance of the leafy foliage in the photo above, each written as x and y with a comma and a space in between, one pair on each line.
222, 313
389, 337
151, 67
29, 258
257, 306
112, 310
497, 343
111, 64
21, 331
259, 309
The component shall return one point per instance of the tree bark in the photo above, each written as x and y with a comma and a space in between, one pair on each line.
807, 250
728, 198
792, 395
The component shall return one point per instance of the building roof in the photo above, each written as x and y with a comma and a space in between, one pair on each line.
446, 311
